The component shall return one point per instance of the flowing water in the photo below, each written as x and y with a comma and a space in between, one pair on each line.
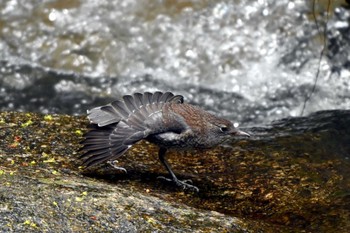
250, 61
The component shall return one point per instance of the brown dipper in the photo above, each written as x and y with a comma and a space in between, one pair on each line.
161, 118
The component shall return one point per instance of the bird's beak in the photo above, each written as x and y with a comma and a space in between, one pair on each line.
241, 133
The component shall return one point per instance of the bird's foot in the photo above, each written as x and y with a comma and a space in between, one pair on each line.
184, 184
113, 164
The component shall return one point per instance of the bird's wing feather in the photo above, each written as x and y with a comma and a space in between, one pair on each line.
122, 123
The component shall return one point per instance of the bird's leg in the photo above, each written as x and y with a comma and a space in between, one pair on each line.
174, 179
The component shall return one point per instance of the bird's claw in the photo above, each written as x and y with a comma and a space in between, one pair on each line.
113, 164
164, 178
184, 184
188, 181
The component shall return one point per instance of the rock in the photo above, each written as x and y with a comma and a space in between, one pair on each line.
290, 176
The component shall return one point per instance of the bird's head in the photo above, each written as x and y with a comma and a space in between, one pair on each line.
220, 130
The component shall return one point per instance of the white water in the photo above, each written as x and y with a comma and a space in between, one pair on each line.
266, 52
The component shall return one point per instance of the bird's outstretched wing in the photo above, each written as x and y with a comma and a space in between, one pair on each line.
115, 127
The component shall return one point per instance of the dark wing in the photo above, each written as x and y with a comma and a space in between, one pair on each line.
122, 109
115, 127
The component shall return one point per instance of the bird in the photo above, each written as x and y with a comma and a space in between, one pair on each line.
160, 118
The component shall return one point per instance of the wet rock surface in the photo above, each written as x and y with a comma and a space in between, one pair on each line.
291, 176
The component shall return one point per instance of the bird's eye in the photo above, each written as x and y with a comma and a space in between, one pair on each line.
223, 128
